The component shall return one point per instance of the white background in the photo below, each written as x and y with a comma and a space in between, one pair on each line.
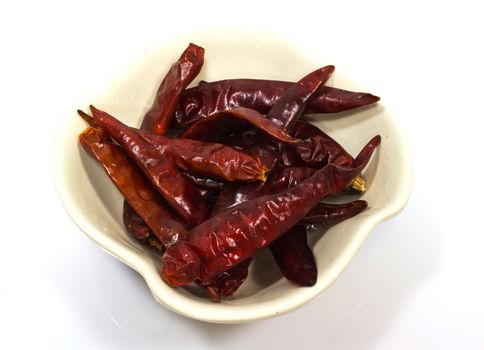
417, 282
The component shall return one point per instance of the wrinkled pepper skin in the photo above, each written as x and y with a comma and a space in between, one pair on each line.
285, 113
176, 189
287, 110
223, 285
279, 180
144, 200
316, 149
180, 75
294, 257
332, 214
231, 237
208, 98
213, 160
217, 126
226, 283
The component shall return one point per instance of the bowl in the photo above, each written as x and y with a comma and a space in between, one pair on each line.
95, 206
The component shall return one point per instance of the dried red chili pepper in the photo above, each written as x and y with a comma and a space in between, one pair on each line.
208, 98
231, 237
332, 214
203, 158
214, 160
279, 180
226, 283
316, 150
297, 252
222, 285
285, 113
144, 200
179, 76
291, 251
177, 190
294, 257
218, 126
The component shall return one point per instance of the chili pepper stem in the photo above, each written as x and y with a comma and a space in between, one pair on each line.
263, 175
358, 184
153, 243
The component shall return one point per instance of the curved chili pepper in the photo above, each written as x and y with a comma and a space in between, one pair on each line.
144, 200
316, 150
231, 237
209, 159
279, 180
211, 97
217, 126
177, 190
294, 257
226, 283
285, 113
291, 251
332, 214
179, 76
222, 285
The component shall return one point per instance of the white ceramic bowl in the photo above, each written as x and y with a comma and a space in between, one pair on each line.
96, 207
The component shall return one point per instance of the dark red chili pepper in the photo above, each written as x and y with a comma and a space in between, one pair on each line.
218, 126
294, 257
222, 285
281, 179
144, 200
179, 76
229, 238
226, 283
291, 251
316, 150
177, 190
214, 160
210, 159
332, 214
208, 98
292, 254
285, 113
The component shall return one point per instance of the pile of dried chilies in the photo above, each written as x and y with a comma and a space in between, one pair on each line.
245, 173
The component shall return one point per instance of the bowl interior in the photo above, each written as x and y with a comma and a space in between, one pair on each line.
96, 206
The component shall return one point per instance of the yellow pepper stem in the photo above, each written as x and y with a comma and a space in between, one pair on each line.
358, 184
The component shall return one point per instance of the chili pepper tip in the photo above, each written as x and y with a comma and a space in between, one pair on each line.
87, 118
